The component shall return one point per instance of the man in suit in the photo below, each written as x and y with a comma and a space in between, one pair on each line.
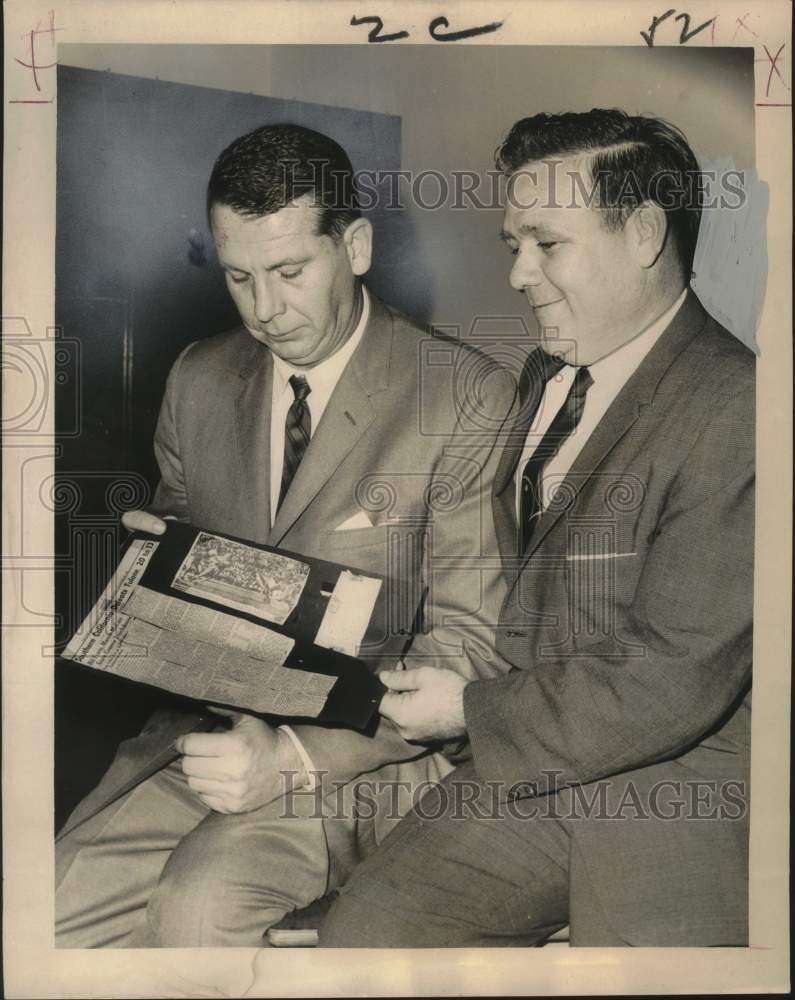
330, 425
608, 784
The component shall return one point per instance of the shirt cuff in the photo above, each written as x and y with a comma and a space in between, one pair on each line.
306, 760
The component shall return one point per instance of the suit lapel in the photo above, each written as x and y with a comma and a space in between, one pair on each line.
624, 411
506, 527
252, 425
349, 413
621, 415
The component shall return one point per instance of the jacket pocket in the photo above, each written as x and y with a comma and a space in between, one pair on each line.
355, 538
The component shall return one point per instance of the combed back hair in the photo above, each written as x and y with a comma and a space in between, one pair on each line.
267, 169
633, 158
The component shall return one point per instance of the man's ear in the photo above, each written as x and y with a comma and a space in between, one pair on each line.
649, 227
358, 239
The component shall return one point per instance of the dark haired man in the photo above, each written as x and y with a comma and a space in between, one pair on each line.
292, 431
608, 785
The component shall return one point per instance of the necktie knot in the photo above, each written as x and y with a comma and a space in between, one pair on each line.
583, 381
300, 387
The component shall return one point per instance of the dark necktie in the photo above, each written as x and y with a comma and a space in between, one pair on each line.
297, 432
566, 419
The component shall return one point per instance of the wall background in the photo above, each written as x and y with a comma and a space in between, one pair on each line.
455, 105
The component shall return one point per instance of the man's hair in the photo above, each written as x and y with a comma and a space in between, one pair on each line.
267, 169
632, 159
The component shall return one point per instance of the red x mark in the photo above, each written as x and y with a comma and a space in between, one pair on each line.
740, 22
773, 68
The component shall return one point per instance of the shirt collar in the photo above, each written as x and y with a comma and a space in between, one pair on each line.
328, 371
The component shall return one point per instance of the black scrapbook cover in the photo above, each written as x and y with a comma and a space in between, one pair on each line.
287, 596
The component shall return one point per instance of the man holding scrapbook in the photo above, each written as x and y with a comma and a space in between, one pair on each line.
300, 430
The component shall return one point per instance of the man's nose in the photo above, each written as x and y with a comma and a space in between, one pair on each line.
526, 271
268, 302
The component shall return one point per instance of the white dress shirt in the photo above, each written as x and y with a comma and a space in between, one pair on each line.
322, 379
610, 374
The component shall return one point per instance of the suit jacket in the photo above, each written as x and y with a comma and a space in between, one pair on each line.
399, 440
629, 625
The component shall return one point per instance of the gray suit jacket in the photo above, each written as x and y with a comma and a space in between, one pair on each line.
401, 440
629, 625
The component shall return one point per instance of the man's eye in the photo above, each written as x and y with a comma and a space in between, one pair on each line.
548, 244
238, 279
289, 275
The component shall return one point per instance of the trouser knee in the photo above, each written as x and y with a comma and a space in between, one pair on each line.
221, 887
181, 902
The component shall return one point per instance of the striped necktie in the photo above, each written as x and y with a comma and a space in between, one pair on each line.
566, 419
297, 432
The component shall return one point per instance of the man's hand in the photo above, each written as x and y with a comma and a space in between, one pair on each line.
426, 703
239, 770
141, 520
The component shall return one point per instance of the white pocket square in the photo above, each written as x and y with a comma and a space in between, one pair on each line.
359, 520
